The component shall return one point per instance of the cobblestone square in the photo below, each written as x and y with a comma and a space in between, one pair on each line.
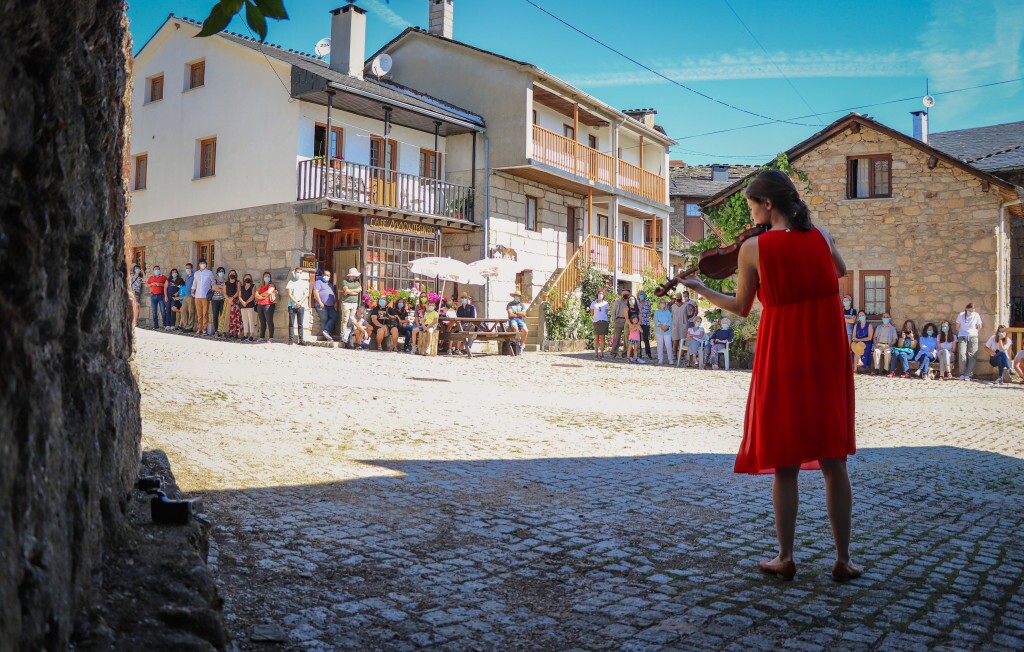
372, 501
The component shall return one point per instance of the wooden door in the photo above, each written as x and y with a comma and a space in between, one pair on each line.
383, 170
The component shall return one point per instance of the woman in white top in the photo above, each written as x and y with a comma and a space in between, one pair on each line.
999, 345
947, 349
694, 338
599, 313
968, 324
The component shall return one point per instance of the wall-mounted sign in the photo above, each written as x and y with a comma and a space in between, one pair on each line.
391, 225
308, 262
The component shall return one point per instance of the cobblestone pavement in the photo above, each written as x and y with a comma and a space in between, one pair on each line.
553, 502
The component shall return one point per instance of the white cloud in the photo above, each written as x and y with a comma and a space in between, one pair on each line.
385, 13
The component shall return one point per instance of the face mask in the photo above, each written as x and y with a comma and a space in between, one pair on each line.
202, 266
382, 303
266, 279
220, 274
248, 281
862, 319
233, 277
945, 329
156, 271
174, 274
517, 297
465, 301
430, 308
929, 332
600, 297
137, 270
969, 312
188, 272
725, 324
1002, 335
697, 324
846, 304
885, 320
632, 302
643, 296
401, 305
679, 300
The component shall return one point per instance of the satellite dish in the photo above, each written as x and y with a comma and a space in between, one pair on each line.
381, 65
323, 47
928, 101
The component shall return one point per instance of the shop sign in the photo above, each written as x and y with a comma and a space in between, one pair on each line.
392, 225
308, 262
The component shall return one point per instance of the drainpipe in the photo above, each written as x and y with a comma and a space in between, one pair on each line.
1002, 265
487, 212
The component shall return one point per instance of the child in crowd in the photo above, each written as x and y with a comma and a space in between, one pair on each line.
360, 330
429, 327
633, 349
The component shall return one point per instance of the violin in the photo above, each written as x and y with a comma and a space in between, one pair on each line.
717, 263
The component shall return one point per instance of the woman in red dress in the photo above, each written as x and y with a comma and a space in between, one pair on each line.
800, 409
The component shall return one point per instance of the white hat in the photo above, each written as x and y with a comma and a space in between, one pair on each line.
352, 271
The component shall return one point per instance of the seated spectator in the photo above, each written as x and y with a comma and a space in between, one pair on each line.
946, 351
466, 310
406, 324
380, 320
927, 350
999, 346
863, 341
903, 351
359, 329
449, 311
516, 310
882, 343
694, 338
1017, 366
662, 331
720, 340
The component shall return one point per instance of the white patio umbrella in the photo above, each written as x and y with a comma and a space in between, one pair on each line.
497, 268
446, 269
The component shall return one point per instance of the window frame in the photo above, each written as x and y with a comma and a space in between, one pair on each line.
568, 129
144, 159
603, 221
593, 142
536, 120
863, 276
626, 230
193, 66
212, 248
151, 83
203, 172
327, 140
139, 257
536, 213
851, 189
425, 157
686, 209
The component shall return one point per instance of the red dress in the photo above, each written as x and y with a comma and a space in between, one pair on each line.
800, 408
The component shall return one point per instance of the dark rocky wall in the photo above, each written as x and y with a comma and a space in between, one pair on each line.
69, 416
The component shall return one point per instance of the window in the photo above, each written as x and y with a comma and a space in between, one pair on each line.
602, 226
592, 141
139, 257
569, 132
692, 210
868, 177
204, 251
531, 214
322, 249
320, 141
387, 260
430, 164
156, 88
846, 285
874, 292
141, 162
196, 74
625, 232
207, 157
535, 121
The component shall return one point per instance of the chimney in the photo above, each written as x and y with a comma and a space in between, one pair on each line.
719, 172
348, 40
920, 125
646, 116
441, 17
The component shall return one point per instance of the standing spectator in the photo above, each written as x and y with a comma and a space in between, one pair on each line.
691, 309
694, 338
720, 340
968, 324
298, 301
350, 291
406, 324
173, 307
380, 319
323, 294
999, 345
882, 343
679, 322
157, 296
137, 280
430, 318
217, 304
599, 314
516, 310
188, 302
201, 289
633, 348
906, 342
927, 350
234, 309
663, 332
466, 310
620, 312
247, 305
266, 301
850, 314
947, 347
864, 335
645, 323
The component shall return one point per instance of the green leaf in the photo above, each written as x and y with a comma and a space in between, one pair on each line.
256, 21
234, 6
272, 9
217, 20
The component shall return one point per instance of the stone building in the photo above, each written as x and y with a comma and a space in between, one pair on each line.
922, 232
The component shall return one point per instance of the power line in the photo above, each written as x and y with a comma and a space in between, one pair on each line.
765, 50
656, 73
852, 108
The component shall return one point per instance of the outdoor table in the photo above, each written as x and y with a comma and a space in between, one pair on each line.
483, 329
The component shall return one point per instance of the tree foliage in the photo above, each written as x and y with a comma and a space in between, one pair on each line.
256, 14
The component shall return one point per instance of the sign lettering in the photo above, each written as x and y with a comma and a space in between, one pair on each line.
392, 225
308, 262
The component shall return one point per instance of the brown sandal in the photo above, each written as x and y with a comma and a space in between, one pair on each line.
786, 570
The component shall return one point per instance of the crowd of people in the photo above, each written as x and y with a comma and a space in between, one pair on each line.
884, 349
629, 320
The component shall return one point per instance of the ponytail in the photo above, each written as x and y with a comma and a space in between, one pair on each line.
778, 187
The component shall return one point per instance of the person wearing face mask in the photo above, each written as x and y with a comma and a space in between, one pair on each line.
663, 332
349, 291
927, 350
720, 341
380, 319
645, 323
620, 312
217, 303
999, 346
427, 341
324, 298
157, 283
599, 315
266, 301
466, 310
680, 322
903, 351
863, 343
406, 324
233, 319
201, 288
694, 339
968, 324
359, 329
187, 317
946, 351
173, 307
882, 343
516, 310
137, 283
1017, 364
850, 315
247, 306
298, 301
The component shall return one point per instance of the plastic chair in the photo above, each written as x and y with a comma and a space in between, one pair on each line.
724, 352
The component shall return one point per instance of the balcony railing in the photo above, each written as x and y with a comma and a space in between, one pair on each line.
596, 251
380, 188
571, 156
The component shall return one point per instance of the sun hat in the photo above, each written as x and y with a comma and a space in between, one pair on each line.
515, 293
465, 295
352, 271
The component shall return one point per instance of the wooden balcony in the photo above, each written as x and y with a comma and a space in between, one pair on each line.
568, 155
604, 254
374, 187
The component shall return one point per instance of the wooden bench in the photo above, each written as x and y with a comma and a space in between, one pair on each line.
485, 329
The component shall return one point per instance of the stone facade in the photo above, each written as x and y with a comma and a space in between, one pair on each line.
936, 236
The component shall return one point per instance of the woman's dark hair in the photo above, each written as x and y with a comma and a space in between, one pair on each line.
231, 271
913, 327
948, 335
778, 187
935, 329
221, 269
266, 274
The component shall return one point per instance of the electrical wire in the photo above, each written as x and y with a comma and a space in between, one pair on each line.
658, 74
259, 45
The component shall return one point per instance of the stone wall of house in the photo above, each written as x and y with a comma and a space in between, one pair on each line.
936, 235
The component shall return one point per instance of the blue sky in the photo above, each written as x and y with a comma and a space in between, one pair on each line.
822, 55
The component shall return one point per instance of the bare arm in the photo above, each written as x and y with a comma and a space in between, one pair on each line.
746, 283
837, 257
